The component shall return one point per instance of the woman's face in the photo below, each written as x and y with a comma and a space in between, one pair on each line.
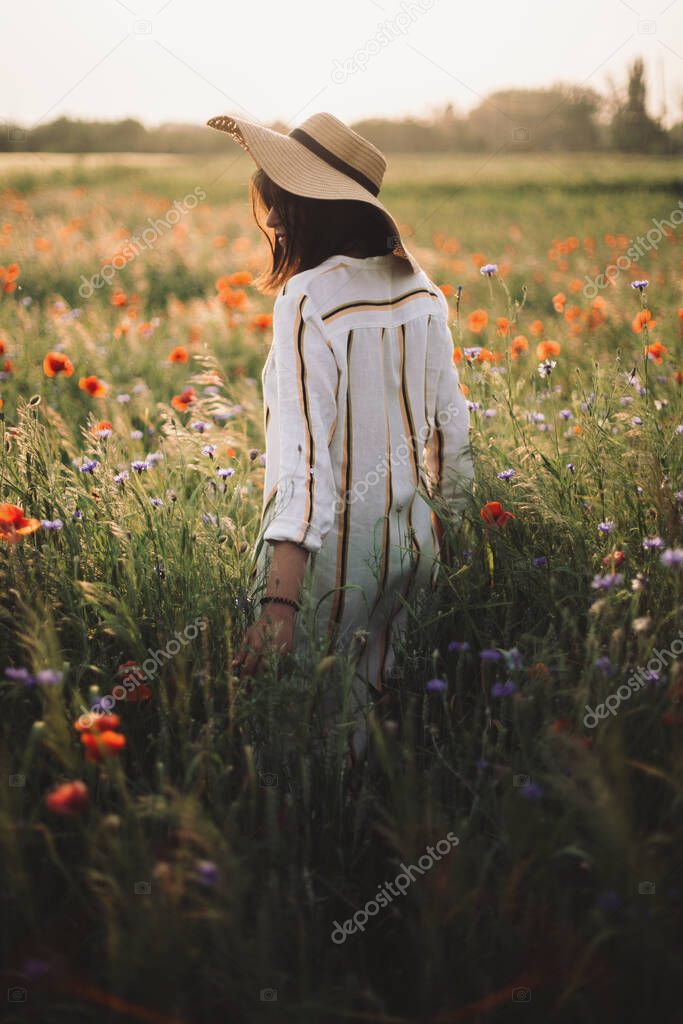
273, 221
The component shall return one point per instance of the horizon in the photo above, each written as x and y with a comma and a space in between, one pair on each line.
412, 58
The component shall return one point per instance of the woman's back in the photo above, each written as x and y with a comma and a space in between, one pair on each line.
359, 380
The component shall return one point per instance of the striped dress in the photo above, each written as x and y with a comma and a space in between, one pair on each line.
364, 416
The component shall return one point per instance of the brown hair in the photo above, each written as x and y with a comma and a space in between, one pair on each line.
315, 230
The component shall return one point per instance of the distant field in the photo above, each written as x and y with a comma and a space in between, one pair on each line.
475, 197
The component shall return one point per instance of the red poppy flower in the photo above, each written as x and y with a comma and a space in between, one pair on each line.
55, 363
69, 798
184, 400
494, 514
93, 386
14, 524
99, 745
178, 355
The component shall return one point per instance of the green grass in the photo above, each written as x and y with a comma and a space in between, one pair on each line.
547, 886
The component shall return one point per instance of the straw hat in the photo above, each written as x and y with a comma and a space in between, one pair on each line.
323, 159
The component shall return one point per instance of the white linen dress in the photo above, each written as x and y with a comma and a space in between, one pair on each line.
364, 416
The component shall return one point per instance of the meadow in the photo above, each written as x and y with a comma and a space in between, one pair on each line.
198, 854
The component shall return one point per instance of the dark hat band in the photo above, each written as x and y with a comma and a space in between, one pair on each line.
334, 161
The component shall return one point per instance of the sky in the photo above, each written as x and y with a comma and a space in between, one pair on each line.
188, 60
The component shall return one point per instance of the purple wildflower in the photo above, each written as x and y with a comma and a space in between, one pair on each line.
604, 664
541, 562
89, 466
48, 677
199, 426
226, 472
531, 791
652, 543
672, 557
607, 527
607, 581
210, 450
505, 689
639, 286
489, 269
490, 654
436, 685
208, 872
20, 675
51, 524
506, 474
139, 465
458, 646
513, 658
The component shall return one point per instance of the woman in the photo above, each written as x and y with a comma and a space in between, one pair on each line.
365, 420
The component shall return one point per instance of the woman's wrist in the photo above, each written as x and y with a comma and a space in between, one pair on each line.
280, 601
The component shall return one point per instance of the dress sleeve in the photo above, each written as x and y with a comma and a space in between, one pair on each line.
306, 380
448, 454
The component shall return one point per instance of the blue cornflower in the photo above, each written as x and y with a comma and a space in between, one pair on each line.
639, 286
506, 474
48, 677
458, 646
604, 664
89, 466
490, 654
210, 450
608, 581
505, 689
139, 465
672, 557
226, 472
208, 872
541, 562
20, 675
489, 269
436, 685
51, 524
513, 658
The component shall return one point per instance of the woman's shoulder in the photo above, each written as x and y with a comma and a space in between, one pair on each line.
343, 277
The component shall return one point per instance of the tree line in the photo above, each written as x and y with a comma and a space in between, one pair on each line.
561, 117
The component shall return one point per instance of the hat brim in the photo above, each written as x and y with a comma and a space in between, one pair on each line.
296, 169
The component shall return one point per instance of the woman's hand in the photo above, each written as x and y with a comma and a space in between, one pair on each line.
274, 630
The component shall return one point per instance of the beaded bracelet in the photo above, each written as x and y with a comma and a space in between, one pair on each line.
280, 600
